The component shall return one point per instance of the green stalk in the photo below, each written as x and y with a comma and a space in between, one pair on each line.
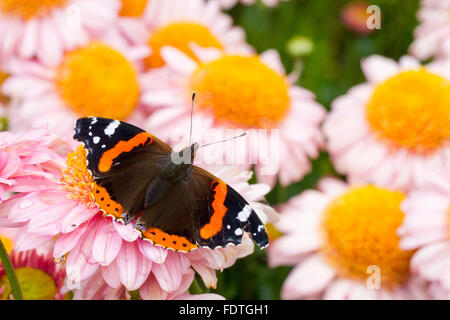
9, 270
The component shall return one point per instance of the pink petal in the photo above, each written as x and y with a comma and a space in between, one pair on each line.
169, 273
127, 232
28, 241
151, 290
133, 267
307, 279
153, 253
107, 243
111, 275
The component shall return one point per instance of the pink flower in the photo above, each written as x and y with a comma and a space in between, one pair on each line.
40, 278
432, 36
184, 24
393, 130
262, 101
101, 78
26, 159
46, 29
103, 258
343, 244
426, 229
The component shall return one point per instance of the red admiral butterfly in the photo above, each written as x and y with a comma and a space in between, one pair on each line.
177, 205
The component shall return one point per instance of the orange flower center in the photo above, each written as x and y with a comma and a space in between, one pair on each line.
76, 178
3, 77
133, 8
30, 8
241, 90
97, 80
411, 110
360, 231
179, 35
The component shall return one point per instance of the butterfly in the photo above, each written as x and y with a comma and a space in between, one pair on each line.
174, 204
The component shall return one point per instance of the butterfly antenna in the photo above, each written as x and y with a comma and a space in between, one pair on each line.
192, 111
239, 136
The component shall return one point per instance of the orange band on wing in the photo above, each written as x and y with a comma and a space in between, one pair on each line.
219, 210
104, 201
108, 157
161, 238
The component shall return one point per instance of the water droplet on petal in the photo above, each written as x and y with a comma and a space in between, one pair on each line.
25, 204
61, 259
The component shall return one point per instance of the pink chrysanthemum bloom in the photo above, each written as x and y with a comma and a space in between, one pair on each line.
26, 159
432, 36
99, 78
227, 4
261, 99
393, 130
426, 229
45, 29
38, 275
95, 247
342, 241
183, 24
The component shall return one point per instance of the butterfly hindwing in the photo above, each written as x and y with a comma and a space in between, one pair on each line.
231, 216
214, 215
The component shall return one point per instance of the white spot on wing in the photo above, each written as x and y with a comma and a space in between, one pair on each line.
96, 140
111, 128
94, 120
244, 214
238, 232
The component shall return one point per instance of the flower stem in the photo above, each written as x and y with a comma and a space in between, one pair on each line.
9, 270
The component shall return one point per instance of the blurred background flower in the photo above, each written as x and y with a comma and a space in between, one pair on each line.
337, 237
393, 130
45, 29
426, 229
432, 36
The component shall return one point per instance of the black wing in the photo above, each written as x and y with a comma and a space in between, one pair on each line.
123, 159
201, 211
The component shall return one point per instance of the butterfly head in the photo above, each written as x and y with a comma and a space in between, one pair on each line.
185, 156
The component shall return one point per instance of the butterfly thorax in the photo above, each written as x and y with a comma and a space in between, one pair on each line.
177, 169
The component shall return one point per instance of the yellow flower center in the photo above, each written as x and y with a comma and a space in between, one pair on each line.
179, 35
97, 80
3, 77
30, 8
35, 284
76, 178
133, 8
411, 110
272, 232
7, 243
360, 231
241, 90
